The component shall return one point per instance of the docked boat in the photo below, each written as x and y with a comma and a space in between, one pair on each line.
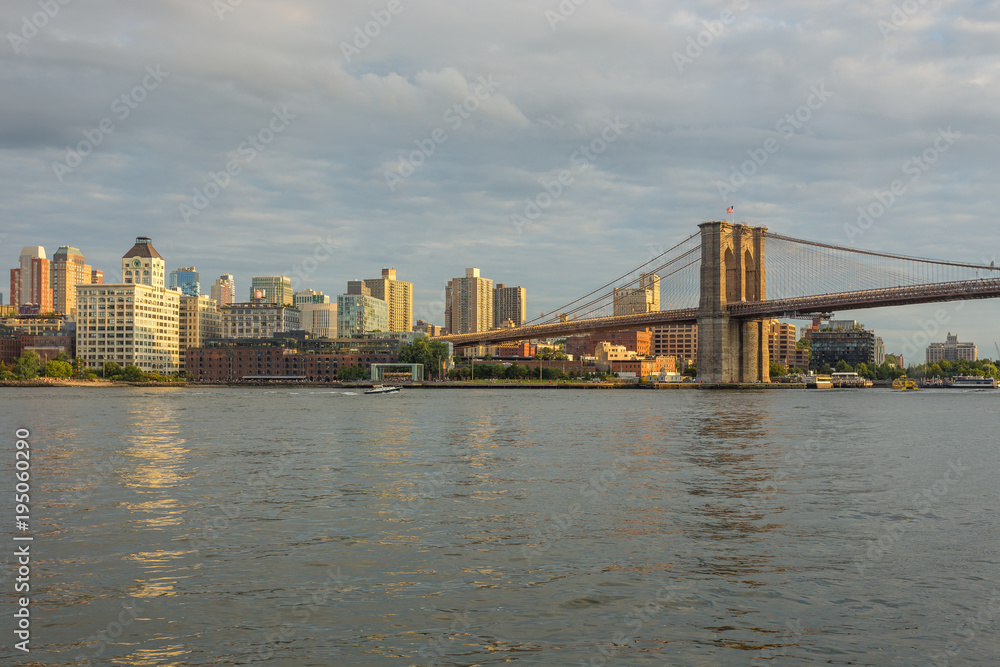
813, 381
972, 382
904, 383
382, 389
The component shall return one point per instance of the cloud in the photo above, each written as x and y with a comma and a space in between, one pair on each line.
357, 118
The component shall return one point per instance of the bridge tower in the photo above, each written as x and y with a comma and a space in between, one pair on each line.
732, 270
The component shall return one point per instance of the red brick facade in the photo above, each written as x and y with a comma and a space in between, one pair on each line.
234, 364
634, 341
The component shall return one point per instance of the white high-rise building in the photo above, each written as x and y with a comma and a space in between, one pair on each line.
319, 316
135, 322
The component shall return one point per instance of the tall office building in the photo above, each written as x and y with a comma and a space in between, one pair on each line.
468, 303
398, 296
132, 322
319, 316
951, 350
360, 314
30, 282
224, 289
645, 298
275, 290
510, 303
68, 269
258, 320
199, 321
185, 279
676, 340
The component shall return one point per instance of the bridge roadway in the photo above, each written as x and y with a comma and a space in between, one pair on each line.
856, 300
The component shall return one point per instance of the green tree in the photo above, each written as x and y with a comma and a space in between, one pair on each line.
28, 366
777, 370
843, 367
691, 371
132, 374
352, 373
804, 344
826, 369
432, 354
111, 370
58, 369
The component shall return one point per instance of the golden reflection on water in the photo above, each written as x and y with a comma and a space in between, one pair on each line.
153, 439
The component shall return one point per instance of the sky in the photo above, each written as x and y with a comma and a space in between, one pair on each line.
554, 145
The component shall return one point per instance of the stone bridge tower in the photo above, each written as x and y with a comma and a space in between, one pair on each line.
732, 270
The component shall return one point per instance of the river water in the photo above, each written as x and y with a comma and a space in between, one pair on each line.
300, 526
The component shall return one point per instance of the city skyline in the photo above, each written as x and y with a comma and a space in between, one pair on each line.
458, 151
911, 348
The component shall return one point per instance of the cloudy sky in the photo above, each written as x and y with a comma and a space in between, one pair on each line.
327, 140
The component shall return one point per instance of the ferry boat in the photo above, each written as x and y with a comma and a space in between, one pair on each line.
972, 382
849, 381
817, 381
904, 383
382, 389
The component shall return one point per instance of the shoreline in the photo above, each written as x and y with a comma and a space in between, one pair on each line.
53, 384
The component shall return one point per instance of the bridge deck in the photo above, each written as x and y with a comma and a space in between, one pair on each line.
986, 288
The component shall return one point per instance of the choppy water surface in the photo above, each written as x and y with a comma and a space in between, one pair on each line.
448, 527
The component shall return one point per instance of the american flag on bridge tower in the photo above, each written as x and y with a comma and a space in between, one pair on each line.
730, 209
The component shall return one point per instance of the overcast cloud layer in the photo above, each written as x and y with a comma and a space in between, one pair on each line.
312, 117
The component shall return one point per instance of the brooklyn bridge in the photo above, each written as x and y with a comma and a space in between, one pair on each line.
731, 279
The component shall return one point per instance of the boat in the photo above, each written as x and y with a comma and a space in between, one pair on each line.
382, 389
972, 382
904, 383
813, 381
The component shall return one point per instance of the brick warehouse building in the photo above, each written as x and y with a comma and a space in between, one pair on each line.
638, 341
233, 364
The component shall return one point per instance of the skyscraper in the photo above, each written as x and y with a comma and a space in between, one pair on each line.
224, 289
29, 283
276, 290
398, 296
132, 322
68, 270
510, 303
469, 303
186, 280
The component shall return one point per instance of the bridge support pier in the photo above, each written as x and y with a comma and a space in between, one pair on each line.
732, 270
